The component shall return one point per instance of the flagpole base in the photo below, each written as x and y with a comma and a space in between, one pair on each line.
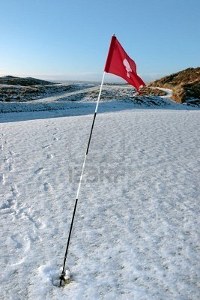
65, 278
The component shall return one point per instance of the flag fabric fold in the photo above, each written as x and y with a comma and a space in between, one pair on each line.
119, 63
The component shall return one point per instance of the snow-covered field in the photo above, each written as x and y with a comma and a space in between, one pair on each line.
136, 233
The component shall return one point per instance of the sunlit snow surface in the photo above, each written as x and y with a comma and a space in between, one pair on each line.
136, 233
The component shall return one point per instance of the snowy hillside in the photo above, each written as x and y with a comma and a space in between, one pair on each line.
185, 85
136, 233
82, 96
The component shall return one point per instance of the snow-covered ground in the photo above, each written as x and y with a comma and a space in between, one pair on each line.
80, 96
136, 233
168, 92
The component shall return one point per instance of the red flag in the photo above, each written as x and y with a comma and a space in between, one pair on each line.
119, 63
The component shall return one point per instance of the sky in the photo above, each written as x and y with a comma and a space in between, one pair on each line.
69, 39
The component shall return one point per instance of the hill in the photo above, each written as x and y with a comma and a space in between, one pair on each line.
25, 89
27, 81
185, 85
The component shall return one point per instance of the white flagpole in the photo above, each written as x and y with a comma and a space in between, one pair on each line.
87, 150
102, 82
63, 278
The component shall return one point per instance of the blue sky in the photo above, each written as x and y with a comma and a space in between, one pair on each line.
65, 39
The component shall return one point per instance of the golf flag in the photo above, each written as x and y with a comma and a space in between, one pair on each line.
119, 63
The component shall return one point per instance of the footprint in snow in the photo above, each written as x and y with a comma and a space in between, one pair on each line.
47, 187
10, 167
14, 191
55, 131
15, 239
39, 171
46, 146
21, 247
7, 205
2, 178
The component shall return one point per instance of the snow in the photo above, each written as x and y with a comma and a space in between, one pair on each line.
169, 92
84, 96
136, 233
